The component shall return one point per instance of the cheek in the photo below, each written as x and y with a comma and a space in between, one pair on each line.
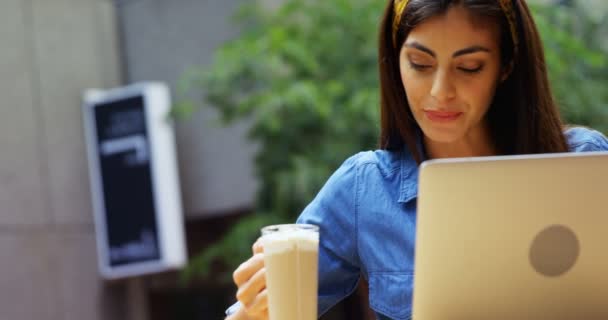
416, 88
480, 90
478, 94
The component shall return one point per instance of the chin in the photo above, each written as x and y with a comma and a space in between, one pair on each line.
443, 135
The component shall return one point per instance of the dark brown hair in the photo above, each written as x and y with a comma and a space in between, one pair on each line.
523, 117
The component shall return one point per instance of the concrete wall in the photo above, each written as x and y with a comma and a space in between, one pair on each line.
162, 39
51, 51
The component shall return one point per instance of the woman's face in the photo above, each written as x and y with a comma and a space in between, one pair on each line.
450, 67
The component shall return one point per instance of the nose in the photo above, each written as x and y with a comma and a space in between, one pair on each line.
443, 89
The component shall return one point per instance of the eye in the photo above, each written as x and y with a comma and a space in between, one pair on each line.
471, 70
419, 67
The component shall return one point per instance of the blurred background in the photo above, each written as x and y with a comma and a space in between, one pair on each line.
270, 96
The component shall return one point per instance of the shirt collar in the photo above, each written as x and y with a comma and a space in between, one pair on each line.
409, 172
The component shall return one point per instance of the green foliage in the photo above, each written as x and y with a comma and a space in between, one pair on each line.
306, 73
578, 67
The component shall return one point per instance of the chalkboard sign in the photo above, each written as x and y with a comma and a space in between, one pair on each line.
133, 173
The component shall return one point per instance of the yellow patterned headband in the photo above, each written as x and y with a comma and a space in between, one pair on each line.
399, 8
506, 5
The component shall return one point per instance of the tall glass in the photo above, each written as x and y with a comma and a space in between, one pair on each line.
291, 261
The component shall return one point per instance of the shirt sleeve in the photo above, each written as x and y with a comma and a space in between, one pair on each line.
334, 211
582, 139
599, 141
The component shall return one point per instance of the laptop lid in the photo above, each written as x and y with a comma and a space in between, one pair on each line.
516, 237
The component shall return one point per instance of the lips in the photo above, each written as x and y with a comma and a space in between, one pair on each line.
442, 116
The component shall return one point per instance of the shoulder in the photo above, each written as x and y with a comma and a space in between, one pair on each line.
383, 162
582, 139
365, 167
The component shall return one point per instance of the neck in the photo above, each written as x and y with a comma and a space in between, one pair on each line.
472, 145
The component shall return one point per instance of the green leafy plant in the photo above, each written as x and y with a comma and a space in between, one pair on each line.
578, 66
306, 75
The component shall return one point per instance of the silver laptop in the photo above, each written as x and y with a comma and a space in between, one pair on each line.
518, 237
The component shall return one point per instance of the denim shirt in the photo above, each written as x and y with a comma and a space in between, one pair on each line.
366, 213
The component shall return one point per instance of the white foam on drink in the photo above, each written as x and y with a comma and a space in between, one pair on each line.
286, 240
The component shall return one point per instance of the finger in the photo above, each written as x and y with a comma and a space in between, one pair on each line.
248, 269
259, 305
258, 316
248, 291
257, 246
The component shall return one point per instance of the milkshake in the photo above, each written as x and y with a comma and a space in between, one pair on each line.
291, 261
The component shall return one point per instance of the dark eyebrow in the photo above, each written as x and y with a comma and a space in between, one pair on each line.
420, 47
469, 50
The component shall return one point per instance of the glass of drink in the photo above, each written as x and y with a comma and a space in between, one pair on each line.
291, 258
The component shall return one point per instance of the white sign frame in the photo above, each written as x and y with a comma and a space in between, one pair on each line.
164, 176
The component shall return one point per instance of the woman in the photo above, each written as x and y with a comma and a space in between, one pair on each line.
458, 79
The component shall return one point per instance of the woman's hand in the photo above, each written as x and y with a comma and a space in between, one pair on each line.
250, 278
